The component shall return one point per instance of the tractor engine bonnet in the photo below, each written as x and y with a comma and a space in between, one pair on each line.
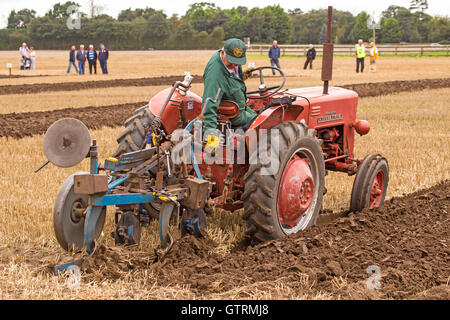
296, 191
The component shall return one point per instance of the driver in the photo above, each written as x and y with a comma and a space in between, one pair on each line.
224, 71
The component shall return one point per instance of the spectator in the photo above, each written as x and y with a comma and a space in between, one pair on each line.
72, 60
310, 56
373, 54
33, 58
103, 56
360, 53
274, 55
24, 50
92, 59
81, 57
24, 54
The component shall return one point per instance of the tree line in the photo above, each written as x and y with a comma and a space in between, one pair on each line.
206, 26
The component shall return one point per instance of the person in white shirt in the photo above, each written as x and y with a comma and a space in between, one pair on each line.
24, 55
33, 58
24, 51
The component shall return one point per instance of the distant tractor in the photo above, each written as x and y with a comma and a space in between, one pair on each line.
316, 129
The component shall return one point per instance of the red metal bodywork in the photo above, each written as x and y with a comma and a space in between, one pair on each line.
332, 115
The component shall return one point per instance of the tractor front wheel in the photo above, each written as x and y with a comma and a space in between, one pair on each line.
371, 182
289, 199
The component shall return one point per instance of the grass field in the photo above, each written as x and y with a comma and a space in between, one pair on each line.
410, 129
136, 64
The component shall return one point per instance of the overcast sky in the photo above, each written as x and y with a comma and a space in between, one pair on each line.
113, 7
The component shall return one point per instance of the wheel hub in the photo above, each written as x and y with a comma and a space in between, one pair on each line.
376, 191
77, 211
296, 191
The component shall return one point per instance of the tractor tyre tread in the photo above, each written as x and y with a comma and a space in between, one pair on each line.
133, 136
260, 190
359, 199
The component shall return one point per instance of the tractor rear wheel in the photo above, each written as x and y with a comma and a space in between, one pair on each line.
132, 138
371, 182
288, 200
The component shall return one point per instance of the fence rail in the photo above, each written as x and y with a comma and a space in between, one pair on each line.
349, 50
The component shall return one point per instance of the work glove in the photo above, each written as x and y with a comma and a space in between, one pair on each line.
212, 143
248, 73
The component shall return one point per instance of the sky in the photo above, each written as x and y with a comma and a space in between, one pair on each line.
113, 7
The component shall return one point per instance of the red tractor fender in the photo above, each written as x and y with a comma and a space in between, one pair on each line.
275, 115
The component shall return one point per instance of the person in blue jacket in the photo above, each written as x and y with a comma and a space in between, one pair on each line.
72, 60
103, 55
274, 55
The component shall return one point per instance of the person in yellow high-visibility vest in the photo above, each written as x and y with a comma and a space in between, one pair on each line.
373, 54
360, 53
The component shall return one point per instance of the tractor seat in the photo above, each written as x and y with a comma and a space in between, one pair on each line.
227, 110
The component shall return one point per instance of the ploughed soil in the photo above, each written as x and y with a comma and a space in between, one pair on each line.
406, 242
78, 85
16, 76
364, 89
390, 87
18, 125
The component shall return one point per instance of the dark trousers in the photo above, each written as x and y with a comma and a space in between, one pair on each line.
93, 64
359, 61
104, 66
308, 61
275, 62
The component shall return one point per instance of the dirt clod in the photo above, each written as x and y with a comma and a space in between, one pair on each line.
338, 258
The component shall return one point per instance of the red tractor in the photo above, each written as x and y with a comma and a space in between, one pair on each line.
316, 132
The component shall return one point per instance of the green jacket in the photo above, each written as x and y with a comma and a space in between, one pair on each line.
217, 76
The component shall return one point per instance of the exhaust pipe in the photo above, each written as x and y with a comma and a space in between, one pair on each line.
327, 59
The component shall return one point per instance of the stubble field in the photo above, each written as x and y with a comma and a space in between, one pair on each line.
326, 262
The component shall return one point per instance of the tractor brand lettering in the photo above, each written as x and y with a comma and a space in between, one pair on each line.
238, 52
330, 112
330, 118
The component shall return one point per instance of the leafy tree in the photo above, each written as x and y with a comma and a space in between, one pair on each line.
360, 29
295, 11
206, 25
391, 31
420, 5
390, 12
307, 26
439, 29
217, 37
236, 27
278, 24
158, 30
59, 10
20, 19
129, 14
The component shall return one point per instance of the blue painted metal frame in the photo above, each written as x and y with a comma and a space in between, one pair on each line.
123, 199
97, 202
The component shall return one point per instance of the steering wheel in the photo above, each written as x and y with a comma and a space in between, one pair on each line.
262, 86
